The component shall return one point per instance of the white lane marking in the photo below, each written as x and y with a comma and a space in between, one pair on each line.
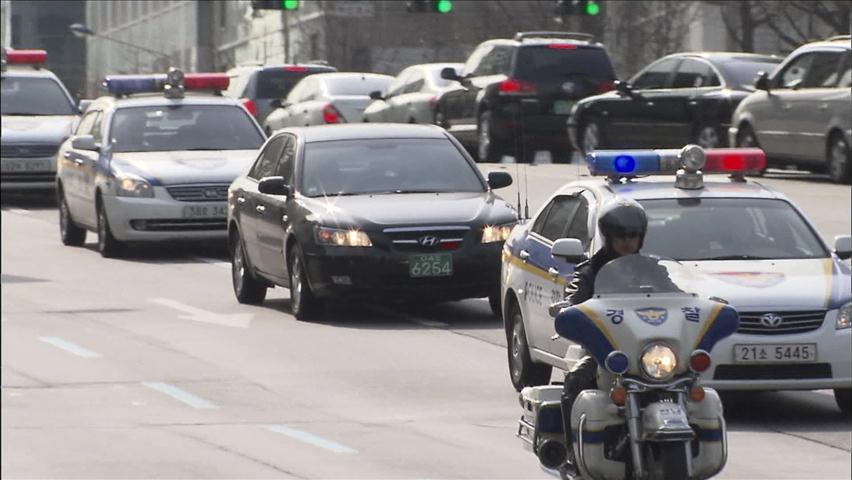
19, 211
236, 320
310, 439
179, 395
70, 347
213, 261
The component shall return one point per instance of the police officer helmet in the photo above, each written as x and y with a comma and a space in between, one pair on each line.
622, 217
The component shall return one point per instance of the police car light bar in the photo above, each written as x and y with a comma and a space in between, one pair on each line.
206, 81
630, 163
126, 84
26, 57
734, 160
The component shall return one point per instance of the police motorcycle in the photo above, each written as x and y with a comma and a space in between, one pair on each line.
649, 417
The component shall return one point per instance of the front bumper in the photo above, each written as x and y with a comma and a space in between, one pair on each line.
161, 218
379, 273
23, 174
832, 369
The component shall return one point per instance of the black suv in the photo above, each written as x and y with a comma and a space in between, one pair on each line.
516, 94
261, 88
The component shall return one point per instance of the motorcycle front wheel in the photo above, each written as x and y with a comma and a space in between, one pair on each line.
673, 460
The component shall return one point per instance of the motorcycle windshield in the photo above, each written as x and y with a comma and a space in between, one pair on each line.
643, 274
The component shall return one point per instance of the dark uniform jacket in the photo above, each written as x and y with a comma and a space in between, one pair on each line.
582, 286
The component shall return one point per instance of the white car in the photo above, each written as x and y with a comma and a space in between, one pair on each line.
754, 246
412, 96
150, 163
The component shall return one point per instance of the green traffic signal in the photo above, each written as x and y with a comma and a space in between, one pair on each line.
443, 6
592, 8
290, 4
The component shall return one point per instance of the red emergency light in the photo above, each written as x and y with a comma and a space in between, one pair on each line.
26, 57
733, 160
206, 81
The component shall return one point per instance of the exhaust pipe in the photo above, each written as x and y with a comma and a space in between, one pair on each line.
552, 454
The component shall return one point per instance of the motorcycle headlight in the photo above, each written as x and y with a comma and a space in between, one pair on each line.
132, 186
844, 316
658, 361
342, 238
496, 233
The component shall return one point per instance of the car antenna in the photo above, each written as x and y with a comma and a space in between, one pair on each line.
526, 195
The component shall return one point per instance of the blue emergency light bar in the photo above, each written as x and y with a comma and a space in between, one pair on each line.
126, 84
629, 163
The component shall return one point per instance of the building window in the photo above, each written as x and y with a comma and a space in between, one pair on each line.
315, 53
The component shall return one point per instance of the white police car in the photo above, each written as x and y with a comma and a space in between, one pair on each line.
757, 249
38, 114
153, 161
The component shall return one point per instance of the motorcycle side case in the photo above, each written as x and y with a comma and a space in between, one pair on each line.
541, 421
593, 412
710, 432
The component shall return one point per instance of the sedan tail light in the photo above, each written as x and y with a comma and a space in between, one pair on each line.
512, 86
604, 87
331, 114
250, 107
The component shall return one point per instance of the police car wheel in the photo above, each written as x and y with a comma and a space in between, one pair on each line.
107, 244
522, 370
843, 397
71, 234
839, 162
303, 304
247, 288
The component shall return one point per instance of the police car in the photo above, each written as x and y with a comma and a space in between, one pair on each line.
38, 114
755, 248
153, 160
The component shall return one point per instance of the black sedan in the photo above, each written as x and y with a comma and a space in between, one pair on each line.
392, 211
678, 99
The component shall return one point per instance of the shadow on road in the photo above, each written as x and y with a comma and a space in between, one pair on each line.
788, 410
45, 201
168, 252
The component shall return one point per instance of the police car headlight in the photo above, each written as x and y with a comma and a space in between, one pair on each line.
844, 316
342, 237
132, 186
658, 361
497, 233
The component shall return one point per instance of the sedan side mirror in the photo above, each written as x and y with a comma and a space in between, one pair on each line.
83, 105
449, 73
762, 81
570, 249
376, 95
499, 180
85, 142
623, 87
273, 186
843, 246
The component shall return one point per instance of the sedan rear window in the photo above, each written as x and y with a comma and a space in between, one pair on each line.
355, 85
728, 229
743, 73
34, 96
545, 62
278, 83
378, 166
184, 127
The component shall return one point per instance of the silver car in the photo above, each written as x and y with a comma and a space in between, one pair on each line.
326, 98
145, 167
38, 115
412, 96
801, 114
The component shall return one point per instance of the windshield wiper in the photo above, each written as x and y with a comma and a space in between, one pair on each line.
733, 257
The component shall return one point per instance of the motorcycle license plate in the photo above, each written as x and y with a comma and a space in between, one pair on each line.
433, 265
775, 353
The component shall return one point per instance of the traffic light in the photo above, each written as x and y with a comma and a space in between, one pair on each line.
578, 7
439, 6
275, 4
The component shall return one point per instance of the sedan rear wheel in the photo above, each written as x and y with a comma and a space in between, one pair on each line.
839, 163
843, 397
247, 288
523, 371
708, 136
488, 150
747, 138
591, 136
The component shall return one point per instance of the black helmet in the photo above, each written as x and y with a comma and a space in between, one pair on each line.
622, 217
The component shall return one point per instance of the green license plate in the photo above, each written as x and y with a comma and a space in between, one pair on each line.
562, 107
434, 265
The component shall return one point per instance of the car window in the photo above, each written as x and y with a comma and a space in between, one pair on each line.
824, 70
361, 84
33, 96
415, 82
579, 227
559, 217
846, 71
85, 125
396, 85
267, 162
692, 73
495, 62
392, 165
740, 72
554, 61
278, 83
794, 72
728, 228
96, 127
656, 76
285, 164
183, 127
475, 59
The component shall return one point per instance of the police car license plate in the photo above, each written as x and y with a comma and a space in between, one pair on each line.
205, 211
29, 165
562, 107
775, 353
433, 265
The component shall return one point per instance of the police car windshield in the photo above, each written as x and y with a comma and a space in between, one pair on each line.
728, 229
183, 127
386, 166
34, 96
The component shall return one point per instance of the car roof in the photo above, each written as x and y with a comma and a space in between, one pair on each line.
322, 76
662, 186
27, 71
260, 67
158, 99
841, 41
720, 57
359, 131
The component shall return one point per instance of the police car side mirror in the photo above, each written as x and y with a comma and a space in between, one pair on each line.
762, 81
83, 105
569, 249
843, 246
85, 142
499, 180
273, 186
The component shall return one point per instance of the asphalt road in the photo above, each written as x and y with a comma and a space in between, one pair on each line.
146, 366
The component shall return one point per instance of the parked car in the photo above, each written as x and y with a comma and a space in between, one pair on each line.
678, 99
412, 96
374, 210
327, 98
802, 112
38, 115
518, 92
261, 88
